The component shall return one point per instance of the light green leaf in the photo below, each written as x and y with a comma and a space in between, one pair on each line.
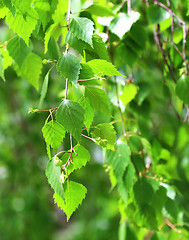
182, 89
9, 5
82, 28
98, 99
3, 12
106, 134
44, 90
74, 195
18, 50
119, 159
99, 10
22, 6
7, 60
69, 67
1, 68
89, 112
129, 93
79, 160
87, 73
53, 174
43, 9
71, 115
23, 26
103, 67
53, 132
147, 146
48, 34
31, 69
122, 24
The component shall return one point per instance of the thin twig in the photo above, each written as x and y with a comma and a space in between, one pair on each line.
128, 6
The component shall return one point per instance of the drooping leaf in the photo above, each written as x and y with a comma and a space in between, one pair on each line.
23, 26
74, 195
71, 115
119, 159
69, 67
74, 42
18, 50
122, 24
99, 47
89, 112
144, 190
106, 135
103, 67
79, 160
7, 60
1, 67
99, 10
44, 89
31, 69
48, 34
182, 89
53, 132
43, 9
82, 28
53, 174
53, 49
98, 99
129, 93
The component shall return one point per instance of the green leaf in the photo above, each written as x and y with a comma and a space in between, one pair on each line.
89, 112
99, 10
1, 68
156, 14
122, 24
69, 67
53, 132
87, 73
53, 174
119, 159
82, 28
7, 60
182, 89
129, 93
144, 190
71, 115
44, 89
53, 49
22, 6
23, 26
79, 160
48, 34
98, 99
103, 67
74, 195
18, 50
74, 42
9, 5
43, 9
31, 69
99, 47
106, 134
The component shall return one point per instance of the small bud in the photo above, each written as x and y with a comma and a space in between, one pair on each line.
57, 161
62, 178
31, 110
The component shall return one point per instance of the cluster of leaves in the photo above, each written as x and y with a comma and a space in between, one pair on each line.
141, 149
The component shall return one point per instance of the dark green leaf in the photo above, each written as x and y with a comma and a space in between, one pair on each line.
71, 115
69, 67
44, 90
156, 14
182, 89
